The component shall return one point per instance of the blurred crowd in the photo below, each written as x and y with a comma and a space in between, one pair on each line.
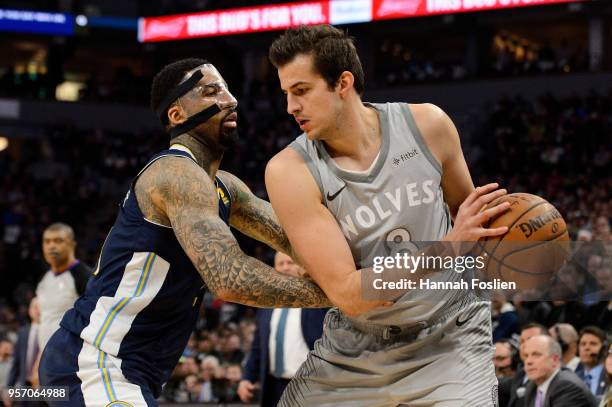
397, 63
400, 63
558, 148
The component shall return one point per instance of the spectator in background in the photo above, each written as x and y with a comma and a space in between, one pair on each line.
233, 375
513, 391
607, 398
6, 360
505, 359
231, 351
505, 319
550, 385
176, 388
602, 229
26, 349
567, 337
211, 387
282, 340
592, 352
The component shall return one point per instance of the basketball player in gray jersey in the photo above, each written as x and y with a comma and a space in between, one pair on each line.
359, 175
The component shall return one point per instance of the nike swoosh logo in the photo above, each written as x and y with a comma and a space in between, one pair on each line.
459, 322
332, 197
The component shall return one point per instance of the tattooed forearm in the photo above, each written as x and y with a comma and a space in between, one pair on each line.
256, 219
254, 216
236, 277
190, 202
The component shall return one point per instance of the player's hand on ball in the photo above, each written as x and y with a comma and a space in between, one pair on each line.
245, 391
471, 217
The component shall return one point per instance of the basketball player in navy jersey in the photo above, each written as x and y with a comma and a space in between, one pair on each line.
171, 241
367, 176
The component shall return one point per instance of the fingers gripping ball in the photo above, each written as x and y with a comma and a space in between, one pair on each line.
535, 247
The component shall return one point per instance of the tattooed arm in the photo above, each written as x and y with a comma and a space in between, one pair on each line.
253, 216
181, 192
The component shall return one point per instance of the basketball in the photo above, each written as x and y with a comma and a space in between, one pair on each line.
535, 247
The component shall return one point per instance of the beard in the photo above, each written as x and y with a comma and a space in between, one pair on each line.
228, 137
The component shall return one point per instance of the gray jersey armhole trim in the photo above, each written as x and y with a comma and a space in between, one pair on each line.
418, 137
314, 171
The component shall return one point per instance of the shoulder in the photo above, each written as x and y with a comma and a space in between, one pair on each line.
433, 122
566, 379
43, 279
173, 177
287, 162
437, 129
169, 168
287, 157
289, 171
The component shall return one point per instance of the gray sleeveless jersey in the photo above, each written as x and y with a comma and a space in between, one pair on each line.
398, 199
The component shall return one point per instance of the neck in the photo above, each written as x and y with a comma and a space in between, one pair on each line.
206, 157
60, 268
358, 134
541, 381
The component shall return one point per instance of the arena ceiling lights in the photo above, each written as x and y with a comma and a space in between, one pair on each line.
283, 16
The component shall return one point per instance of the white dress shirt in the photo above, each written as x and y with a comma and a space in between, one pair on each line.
295, 349
544, 386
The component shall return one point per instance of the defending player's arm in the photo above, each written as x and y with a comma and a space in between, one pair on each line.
184, 193
315, 235
464, 201
254, 216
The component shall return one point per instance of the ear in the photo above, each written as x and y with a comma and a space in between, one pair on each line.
345, 83
176, 115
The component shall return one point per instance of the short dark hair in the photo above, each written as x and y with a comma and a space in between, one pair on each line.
332, 49
595, 331
170, 76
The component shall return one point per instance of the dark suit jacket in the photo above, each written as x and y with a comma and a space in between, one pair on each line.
565, 390
513, 393
256, 369
601, 380
18, 374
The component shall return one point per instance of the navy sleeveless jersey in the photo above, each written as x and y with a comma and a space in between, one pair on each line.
143, 299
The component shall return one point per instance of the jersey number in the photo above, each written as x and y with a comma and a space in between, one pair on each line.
398, 241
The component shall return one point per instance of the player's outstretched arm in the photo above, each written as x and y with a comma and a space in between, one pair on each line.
184, 193
315, 235
254, 216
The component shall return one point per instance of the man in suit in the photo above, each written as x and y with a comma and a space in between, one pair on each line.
592, 351
26, 351
512, 391
549, 384
279, 346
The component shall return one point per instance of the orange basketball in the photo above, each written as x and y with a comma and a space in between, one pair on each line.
535, 247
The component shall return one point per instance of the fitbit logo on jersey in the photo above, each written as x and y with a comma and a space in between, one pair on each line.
404, 157
386, 204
